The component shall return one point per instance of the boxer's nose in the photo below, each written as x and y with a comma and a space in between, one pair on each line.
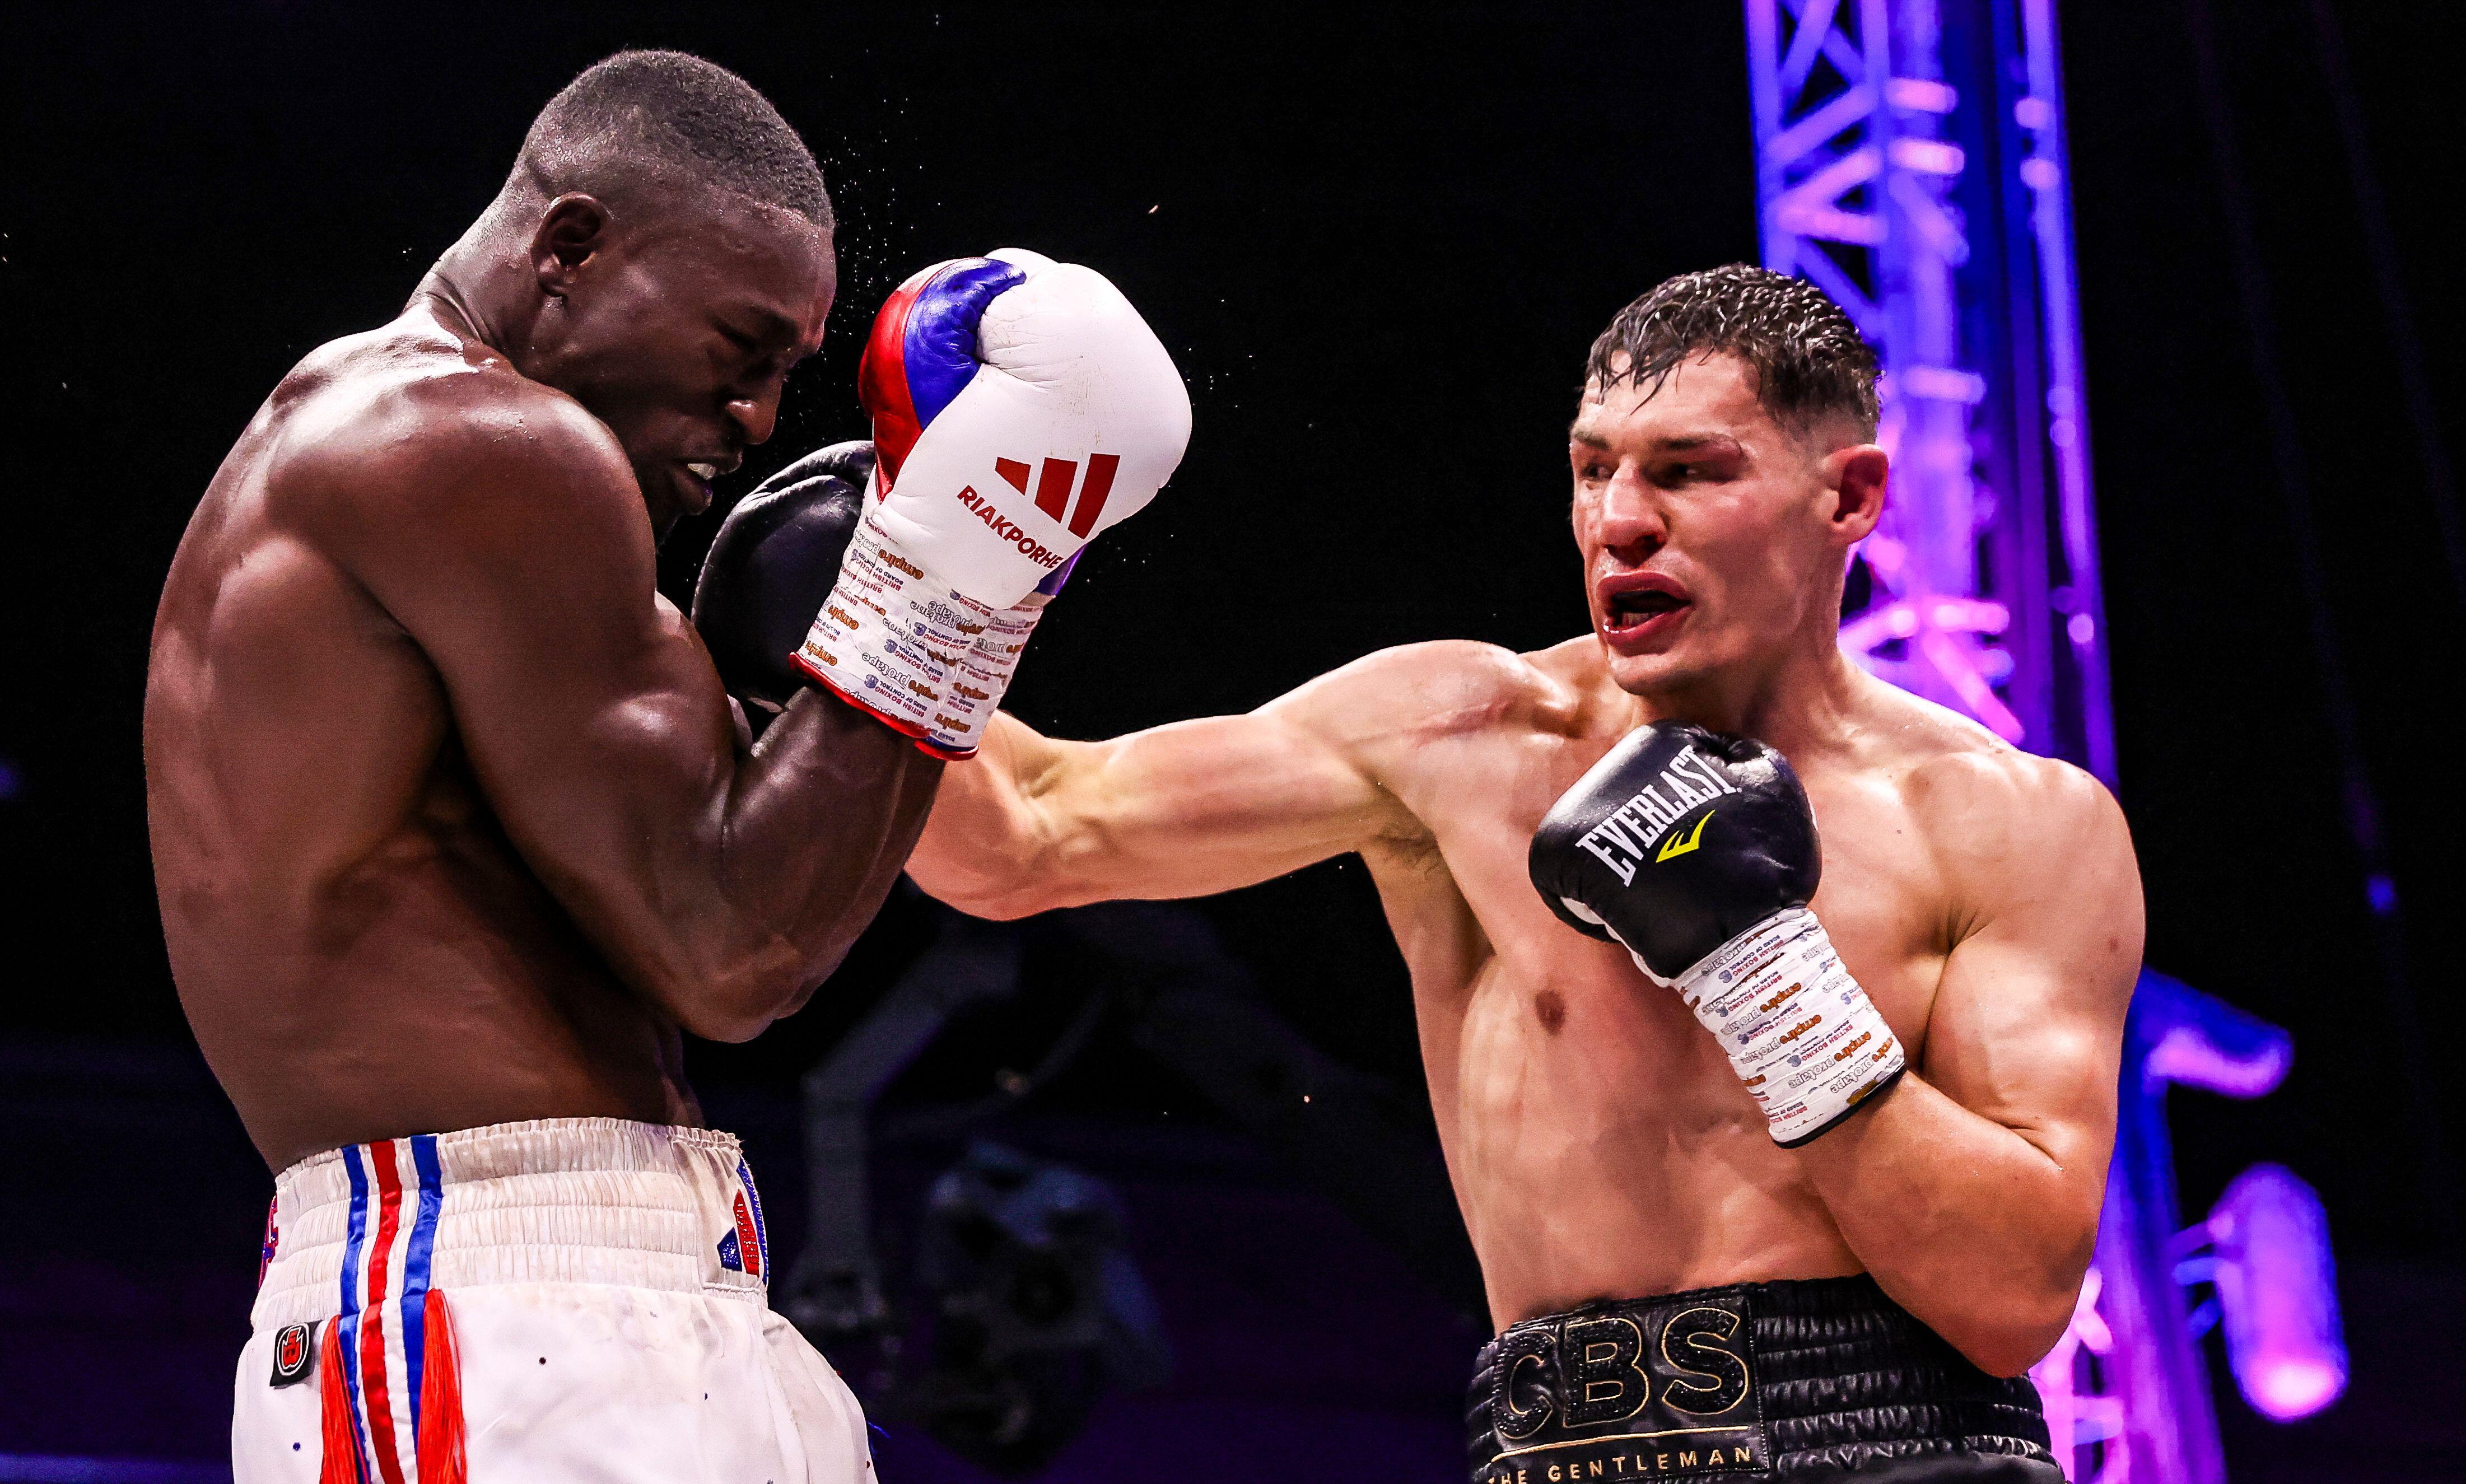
756, 416
1629, 519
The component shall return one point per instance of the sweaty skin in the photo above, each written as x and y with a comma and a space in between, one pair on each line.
451, 821
1599, 1142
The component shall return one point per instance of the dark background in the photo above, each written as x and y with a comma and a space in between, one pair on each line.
1378, 245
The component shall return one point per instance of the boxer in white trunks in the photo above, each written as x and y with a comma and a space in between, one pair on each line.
457, 833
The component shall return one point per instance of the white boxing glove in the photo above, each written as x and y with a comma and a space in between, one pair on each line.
1020, 406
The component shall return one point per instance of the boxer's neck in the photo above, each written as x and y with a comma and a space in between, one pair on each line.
1798, 699
484, 289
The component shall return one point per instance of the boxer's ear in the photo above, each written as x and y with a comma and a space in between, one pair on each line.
572, 229
1854, 478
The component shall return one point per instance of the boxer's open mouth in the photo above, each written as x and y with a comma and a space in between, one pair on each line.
699, 474
1640, 608
698, 490
1636, 607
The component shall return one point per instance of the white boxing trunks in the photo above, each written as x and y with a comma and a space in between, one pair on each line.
568, 1299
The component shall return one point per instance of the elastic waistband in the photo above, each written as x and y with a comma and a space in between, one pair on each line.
1751, 1380
554, 1200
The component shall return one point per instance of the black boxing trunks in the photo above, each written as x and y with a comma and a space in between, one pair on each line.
1733, 1386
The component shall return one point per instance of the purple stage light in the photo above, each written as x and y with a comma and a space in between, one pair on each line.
1911, 162
2277, 1293
2234, 1059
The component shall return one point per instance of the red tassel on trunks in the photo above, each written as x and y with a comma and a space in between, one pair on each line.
342, 1441
440, 1397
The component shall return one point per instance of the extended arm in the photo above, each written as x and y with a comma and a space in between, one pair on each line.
1972, 1190
514, 550
1181, 810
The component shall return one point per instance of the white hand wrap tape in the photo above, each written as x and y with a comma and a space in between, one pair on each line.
1802, 1034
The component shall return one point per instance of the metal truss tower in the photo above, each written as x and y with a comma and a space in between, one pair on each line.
1910, 159
1911, 162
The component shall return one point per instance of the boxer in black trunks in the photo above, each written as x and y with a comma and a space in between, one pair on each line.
1689, 1281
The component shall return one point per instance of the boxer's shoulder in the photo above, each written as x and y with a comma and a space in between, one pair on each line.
1423, 723
1994, 815
403, 429
435, 426
1440, 687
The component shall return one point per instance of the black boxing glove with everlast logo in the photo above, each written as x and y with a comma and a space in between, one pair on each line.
771, 566
1697, 853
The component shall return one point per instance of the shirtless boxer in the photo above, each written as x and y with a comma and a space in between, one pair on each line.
453, 827
1680, 1295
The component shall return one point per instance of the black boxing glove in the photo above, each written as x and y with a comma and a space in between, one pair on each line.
769, 568
1698, 854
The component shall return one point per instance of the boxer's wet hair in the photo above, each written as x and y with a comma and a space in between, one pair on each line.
669, 118
1811, 363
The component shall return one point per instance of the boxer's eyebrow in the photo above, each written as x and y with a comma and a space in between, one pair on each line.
1698, 443
771, 327
1716, 443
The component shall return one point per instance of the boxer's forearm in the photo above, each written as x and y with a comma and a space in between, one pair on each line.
816, 825
1187, 809
726, 886
983, 849
1980, 1232
719, 886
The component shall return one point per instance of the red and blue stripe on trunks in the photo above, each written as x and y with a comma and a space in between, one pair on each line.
389, 1350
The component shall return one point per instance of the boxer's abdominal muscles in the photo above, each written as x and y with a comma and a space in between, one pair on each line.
1600, 1144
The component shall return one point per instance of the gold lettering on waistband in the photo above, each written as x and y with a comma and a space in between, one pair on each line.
1620, 1437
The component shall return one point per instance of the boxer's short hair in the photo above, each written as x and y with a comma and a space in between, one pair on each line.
669, 118
1811, 362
